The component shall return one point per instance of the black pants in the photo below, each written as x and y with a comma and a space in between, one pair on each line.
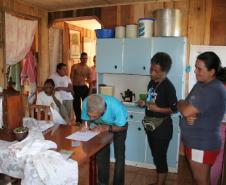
81, 92
103, 160
159, 149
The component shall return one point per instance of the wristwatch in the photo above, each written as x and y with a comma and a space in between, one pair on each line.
110, 128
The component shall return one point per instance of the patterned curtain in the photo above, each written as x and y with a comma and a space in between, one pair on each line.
19, 35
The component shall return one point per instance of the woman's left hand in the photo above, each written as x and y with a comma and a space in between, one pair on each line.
153, 107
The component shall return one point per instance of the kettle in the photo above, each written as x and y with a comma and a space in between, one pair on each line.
128, 96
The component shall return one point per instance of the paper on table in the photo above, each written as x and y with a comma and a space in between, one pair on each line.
82, 136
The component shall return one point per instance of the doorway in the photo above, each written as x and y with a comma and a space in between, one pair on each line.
78, 35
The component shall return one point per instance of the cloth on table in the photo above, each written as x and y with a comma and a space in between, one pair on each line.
33, 144
50, 168
33, 162
33, 124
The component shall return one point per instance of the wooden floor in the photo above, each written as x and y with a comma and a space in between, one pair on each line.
141, 176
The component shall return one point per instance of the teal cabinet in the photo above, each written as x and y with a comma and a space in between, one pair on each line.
179, 84
135, 143
176, 48
137, 55
109, 55
120, 60
173, 151
127, 56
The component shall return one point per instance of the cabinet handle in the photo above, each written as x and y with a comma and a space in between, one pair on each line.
116, 66
139, 128
131, 116
144, 67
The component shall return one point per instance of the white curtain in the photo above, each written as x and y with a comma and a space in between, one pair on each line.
19, 35
55, 48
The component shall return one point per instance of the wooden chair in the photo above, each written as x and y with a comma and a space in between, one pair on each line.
40, 112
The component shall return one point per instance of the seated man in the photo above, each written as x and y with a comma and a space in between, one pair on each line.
51, 98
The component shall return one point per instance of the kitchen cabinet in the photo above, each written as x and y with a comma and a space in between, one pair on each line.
175, 47
109, 55
135, 140
137, 55
133, 56
135, 144
128, 56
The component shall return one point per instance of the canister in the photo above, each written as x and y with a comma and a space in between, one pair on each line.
145, 28
120, 31
167, 22
131, 31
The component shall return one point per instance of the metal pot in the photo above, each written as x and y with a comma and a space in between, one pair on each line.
168, 22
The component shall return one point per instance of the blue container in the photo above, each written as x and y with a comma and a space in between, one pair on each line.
105, 33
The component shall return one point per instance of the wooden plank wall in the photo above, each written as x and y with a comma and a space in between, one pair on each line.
218, 23
19, 8
195, 22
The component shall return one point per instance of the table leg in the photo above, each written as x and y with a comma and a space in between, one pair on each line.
92, 171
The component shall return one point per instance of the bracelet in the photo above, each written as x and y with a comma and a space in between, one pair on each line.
110, 128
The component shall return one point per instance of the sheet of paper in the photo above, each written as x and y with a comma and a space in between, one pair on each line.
82, 136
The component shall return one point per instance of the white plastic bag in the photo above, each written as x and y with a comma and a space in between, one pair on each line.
57, 118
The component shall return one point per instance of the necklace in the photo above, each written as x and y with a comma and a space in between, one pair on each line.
152, 95
154, 89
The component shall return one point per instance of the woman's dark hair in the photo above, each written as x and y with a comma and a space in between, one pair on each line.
60, 66
163, 60
221, 75
49, 81
212, 61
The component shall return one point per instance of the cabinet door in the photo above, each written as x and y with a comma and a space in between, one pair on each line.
179, 84
109, 55
137, 55
135, 143
173, 150
175, 47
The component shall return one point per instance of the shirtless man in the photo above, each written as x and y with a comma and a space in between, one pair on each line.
94, 76
81, 78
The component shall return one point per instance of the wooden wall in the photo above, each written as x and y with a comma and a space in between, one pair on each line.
18, 8
203, 20
218, 23
195, 23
